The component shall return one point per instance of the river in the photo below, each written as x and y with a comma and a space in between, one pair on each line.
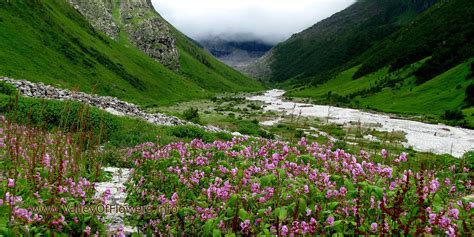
435, 138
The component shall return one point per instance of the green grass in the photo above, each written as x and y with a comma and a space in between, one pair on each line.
48, 41
443, 92
229, 113
342, 84
469, 116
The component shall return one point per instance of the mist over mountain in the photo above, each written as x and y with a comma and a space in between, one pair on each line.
236, 53
271, 21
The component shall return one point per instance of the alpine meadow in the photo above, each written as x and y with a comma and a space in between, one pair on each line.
184, 118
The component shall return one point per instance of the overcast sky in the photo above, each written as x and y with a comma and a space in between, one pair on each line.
268, 20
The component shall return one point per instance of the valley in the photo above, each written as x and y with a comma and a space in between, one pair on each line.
359, 125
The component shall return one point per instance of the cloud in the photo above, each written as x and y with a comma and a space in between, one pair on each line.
269, 20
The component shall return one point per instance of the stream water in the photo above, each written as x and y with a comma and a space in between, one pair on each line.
115, 189
435, 138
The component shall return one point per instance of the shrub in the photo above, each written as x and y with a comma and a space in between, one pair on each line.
188, 131
191, 115
470, 95
455, 114
7, 89
254, 106
192, 132
247, 127
223, 136
299, 134
266, 134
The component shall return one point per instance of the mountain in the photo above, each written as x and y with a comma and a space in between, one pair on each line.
117, 48
335, 41
235, 53
408, 57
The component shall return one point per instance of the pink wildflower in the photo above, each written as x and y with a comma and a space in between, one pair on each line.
245, 226
373, 227
87, 231
330, 221
11, 183
454, 213
284, 230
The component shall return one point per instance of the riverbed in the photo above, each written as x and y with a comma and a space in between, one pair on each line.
435, 138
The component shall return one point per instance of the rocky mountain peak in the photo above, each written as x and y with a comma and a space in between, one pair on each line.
139, 21
99, 14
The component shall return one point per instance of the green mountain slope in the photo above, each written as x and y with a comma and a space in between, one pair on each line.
445, 32
51, 42
415, 59
330, 44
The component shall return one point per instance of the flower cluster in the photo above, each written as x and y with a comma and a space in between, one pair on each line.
252, 186
45, 173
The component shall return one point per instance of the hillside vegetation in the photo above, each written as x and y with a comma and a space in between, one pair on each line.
444, 32
49, 41
335, 41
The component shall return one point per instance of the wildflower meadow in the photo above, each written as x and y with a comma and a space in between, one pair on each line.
259, 187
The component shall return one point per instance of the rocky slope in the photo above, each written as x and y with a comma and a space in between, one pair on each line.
99, 14
136, 19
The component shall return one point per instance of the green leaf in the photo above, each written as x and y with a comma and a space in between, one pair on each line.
414, 212
338, 226
336, 177
233, 200
230, 212
216, 233
184, 212
349, 185
243, 214
267, 180
333, 205
282, 173
305, 159
280, 212
4, 231
378, 191
209, 227
302, 206
283, 213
